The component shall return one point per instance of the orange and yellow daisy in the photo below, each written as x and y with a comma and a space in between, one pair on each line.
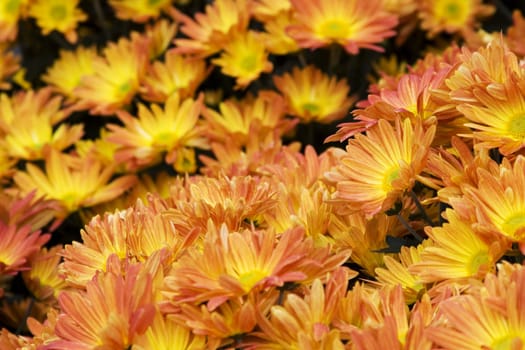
379, 167
353, 24
139, 11
59, 15
311, 95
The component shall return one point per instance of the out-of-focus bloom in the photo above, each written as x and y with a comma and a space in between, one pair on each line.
379, 167
313, 96
498, 202
116, 307
234, 264
266, 9
159, 36
353, 24
244, 58
43, 332
165, 334
491, 318
9, 65
305, 322
100, 149
457, 252
10, 12
210, 31
21, 210
17, 245
253, 117
157, 132
67, 71
43, 280
178, 74
452, 16
60, 15
72, 181
116, 77
276, 38
27, 120
515, 32
138, 10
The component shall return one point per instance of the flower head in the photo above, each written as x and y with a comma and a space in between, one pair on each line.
353, 24
60, 15
10, 12
138, 11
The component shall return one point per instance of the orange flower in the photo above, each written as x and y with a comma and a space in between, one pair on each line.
244, 58
210, 31
115, 308
354, 24
72, 181
379, 167
314, 96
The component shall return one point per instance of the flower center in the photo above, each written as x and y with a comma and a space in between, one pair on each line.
311, 108
251, 278
504, 342
334, 29
249, 63
390, 176
513, 224
58, 13
12, 6
516, 126
478, 261
452, 12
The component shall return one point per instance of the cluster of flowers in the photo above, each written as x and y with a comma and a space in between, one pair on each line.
206, 225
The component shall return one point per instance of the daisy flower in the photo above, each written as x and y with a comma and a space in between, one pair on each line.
313, 96
138, 11
353, 24
60, 15
380, 166
157, 132
451, 16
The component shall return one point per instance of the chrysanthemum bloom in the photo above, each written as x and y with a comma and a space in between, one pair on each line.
234, 264
116, 307
304, 322
157, 132
116, 77
9, 65
28, 123
178, 74
452, 16
165, 334
379, 167
244, 58
236, 121
493, 318
210, 31
313, 96
138, 11
59, 15
276, 38
43, 280
10, 12
352, 24
235, 202
72, 181
457, 252
17, 245
20, 210
67, 71
498, 202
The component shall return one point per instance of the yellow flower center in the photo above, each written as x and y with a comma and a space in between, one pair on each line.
452, 12
12, 6
516, 126
334, 29
251, 278
58, 13
504, 343
311, 108
513, 224
390, 176
479, 260
153, 2
249, 63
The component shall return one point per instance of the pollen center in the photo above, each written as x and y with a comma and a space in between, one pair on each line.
516, 126
12, 6
504, 342
335, 29
513, 224
251, 278
452, 12
310, 107
249, 63
478, 261
58, 13
390, 176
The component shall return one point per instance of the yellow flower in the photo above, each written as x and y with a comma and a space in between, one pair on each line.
379, 167
313, 96
451, 16
67, 71
43, 279
157, 131
353, 24
277, 40
138, 10
60, 15
10, 12
178, 74
72, 181
9, 65
244, 58
116, 77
